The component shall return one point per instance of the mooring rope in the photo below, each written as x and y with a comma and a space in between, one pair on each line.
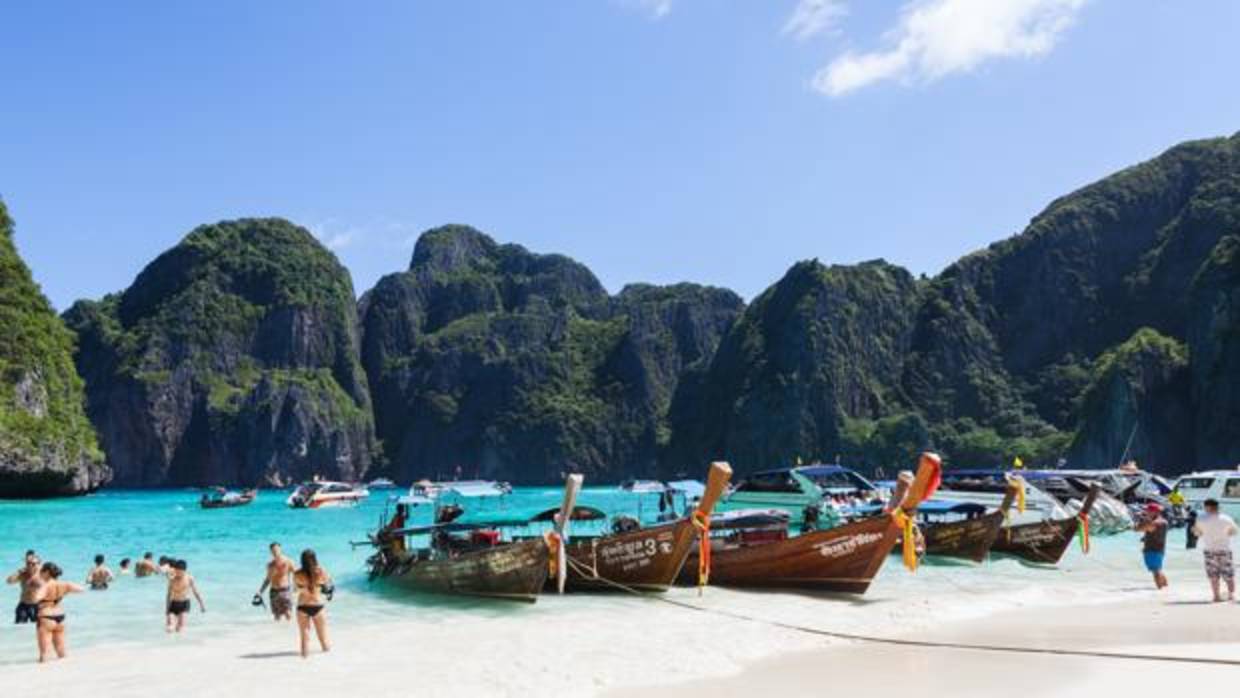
907, 642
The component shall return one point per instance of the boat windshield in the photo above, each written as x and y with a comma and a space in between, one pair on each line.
780, 481
840, 480
1194, 483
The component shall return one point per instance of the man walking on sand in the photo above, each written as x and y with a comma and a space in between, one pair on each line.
280, 579
1215, 530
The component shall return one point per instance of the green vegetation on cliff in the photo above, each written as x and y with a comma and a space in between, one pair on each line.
516, 365
47, 445
231, 358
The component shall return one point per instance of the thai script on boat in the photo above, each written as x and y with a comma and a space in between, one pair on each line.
847, 546
635, 554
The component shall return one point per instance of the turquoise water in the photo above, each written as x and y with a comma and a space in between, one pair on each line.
226, 550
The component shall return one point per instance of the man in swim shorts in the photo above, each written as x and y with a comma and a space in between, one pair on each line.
1154, 542
1215, 530
31, 584
180, 586
279, 578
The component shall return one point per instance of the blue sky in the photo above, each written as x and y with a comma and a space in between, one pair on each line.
653, 140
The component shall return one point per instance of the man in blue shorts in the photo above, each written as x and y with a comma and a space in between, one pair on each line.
1154, 542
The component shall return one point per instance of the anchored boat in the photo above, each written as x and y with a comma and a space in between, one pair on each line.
320, 494
469, 559
842, 559
1045, 542
646, 559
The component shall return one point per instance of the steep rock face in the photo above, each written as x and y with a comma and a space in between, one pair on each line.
514, 365
232, 358
1139, 402
1006, 339
47, 445
820, 348
1214, 341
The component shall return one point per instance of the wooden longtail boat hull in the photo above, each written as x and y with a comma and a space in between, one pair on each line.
842, 559
647, 559
1044, 542
971, 539
515, 571
1047, 541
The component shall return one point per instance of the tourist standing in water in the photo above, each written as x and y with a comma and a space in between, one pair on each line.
100, 576
1154, 542
279, 577
50, 632
146, 567
314, 589
1215, 531
31, 582
180, 586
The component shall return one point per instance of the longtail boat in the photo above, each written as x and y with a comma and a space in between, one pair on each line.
646, 559
841, 559
220, 498
478, 564
1047, 541
969, 538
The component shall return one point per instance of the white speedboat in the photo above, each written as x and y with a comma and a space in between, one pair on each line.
381, 483
324, 493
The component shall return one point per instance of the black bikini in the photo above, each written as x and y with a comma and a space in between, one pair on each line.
176, 608
310, 611
57, 619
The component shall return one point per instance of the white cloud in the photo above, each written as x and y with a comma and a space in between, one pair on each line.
935, 38
813, 17
657, 9
333, 236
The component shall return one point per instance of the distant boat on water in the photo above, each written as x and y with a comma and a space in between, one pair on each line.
220, 498
320, 494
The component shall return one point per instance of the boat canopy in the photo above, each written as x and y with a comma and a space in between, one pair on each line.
690, 488
750, 518
934, 507
475, 488
580, 513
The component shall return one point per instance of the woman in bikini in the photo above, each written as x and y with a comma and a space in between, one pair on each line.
314, 589
50, 631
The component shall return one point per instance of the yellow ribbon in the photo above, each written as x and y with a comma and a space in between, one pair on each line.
908, 530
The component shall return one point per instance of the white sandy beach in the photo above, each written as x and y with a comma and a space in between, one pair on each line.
625, 646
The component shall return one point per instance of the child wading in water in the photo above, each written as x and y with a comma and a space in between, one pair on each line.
180, 586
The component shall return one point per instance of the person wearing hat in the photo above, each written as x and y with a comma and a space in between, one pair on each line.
1215, 530
1154, 542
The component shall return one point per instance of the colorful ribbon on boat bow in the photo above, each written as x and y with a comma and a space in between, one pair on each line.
908, 530
701, 521
554, 545
1082, 532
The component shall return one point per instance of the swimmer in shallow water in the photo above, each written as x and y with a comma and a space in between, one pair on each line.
314, 589
180, 586
146, 567
51, 631
99, 576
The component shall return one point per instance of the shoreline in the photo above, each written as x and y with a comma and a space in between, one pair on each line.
619, 645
